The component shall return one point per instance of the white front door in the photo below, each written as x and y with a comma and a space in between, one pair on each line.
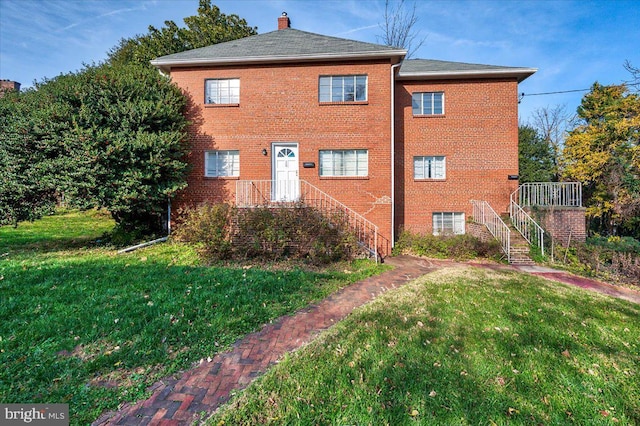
286, 183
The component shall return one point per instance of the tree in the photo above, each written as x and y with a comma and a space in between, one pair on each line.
398, 28
535, 156
27, 161
635, 75
111, 136
108, 137
603, 153
208, 27
551, 124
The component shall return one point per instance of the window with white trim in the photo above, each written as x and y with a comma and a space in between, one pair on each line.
343, 88
221, 163
429, 167
448, 223
345, 162
222, 91
428, 103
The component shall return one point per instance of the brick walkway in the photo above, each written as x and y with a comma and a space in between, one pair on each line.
205, 388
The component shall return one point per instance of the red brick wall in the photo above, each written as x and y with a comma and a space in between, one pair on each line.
478, 135
280, 104
563, 223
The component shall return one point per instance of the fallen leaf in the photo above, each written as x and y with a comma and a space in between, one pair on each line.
566, 353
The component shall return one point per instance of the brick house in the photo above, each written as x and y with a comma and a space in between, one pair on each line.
402, 143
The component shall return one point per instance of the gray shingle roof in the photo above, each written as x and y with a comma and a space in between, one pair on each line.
432, 69
282, 45
291, 45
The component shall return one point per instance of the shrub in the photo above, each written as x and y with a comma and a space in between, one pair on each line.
296, 232
613, 258
459, 247
209, 225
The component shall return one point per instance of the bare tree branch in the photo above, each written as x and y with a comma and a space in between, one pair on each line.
398, 28
635, 75
552, 125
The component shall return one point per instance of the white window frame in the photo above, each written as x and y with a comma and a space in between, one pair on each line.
222, 91
343, 88
344, 163
429, 167
425, 103
222, 163
447, 223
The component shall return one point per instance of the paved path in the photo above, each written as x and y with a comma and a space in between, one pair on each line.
206, 387
586, 283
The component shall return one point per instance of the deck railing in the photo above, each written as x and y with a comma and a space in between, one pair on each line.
485, 215
548, 194
282, 194
529, 228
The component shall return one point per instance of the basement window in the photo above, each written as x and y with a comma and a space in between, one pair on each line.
448, 223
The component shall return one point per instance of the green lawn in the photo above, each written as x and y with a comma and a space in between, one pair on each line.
85, 326
461, 346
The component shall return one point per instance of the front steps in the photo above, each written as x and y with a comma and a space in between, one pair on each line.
519, 247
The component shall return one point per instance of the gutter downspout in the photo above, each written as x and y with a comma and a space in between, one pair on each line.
393, 156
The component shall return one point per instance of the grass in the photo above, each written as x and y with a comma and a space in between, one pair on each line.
461, 346
85, 326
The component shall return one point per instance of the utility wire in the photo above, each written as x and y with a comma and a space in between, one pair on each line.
554, 93
522, 95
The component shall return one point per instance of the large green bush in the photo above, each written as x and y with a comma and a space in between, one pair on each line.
105, 137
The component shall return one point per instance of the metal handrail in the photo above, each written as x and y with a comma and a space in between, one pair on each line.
548, 194
485, 215
268, 193
529, 228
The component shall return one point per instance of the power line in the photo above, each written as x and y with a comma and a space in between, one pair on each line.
554, 93
522, 95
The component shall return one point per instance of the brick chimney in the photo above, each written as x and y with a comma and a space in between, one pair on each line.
7, 85
283, 21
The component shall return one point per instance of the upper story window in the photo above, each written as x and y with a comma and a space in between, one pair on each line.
428, 103
223, 91
221, 163
429, 168
343, 88
345, 162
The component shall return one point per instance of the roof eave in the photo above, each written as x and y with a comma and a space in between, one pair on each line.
166, 65
519, 73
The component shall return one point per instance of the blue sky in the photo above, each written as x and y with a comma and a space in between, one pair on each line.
571, 43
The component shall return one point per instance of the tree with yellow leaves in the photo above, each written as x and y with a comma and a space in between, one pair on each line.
603, 153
